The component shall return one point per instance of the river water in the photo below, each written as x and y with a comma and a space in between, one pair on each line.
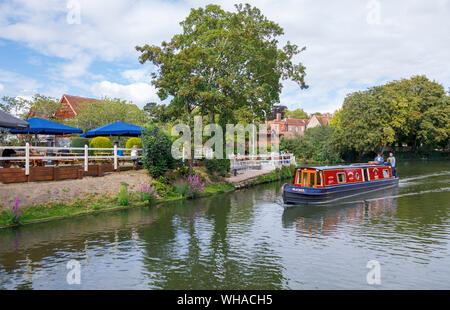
247, 240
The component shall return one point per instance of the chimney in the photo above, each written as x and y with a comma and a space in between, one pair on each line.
279, 117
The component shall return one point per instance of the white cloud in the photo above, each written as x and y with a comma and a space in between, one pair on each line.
344, 51
1, 87
139, 93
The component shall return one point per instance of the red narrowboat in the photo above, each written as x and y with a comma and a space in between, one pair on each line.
320, 185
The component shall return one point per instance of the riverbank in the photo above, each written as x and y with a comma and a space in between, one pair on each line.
60, 200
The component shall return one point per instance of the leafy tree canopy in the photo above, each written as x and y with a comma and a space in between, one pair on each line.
223, 62
297, 113
415, 111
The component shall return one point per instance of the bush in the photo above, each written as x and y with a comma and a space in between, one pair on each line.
131, 142
161, 188
157, 157
101, 142
123, 198
79, 142
146, 193
190, 187
182, 188
221, 166
14, 214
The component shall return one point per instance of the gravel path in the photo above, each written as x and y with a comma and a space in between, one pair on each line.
34, 193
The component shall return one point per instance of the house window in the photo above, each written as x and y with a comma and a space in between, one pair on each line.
341, 177
385, 173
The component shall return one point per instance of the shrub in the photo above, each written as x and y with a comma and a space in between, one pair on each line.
101, 142
131, 142
182, 188
123, 198
221, 166
146, 193
190, 186
15, 214
79, 142
157, 157
161, 188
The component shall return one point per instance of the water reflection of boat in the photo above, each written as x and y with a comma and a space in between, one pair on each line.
325, 218
322, 185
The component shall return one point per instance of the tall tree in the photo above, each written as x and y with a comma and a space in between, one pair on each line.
414, 111
224, 60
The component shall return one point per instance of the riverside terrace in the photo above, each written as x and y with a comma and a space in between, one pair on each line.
29, 163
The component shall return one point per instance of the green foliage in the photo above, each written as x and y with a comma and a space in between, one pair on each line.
146, 193
182, 188
161, 188
220, 166
298, 114
223, 62
157, 156
134, 141
413, 111
101, 142
96, 114
314, 145
79, 142
123, 198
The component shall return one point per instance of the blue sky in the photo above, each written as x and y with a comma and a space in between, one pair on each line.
86, 48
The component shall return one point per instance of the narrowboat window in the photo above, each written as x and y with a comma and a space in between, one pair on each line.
312, 179
299, 177
341, 177
385, 173
366, 175
305, 179
319, 179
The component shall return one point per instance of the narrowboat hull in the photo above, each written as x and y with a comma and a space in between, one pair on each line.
296, 195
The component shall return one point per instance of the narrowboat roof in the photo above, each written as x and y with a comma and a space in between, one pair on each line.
351, 166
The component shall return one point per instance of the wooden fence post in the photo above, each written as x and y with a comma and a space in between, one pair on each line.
86, 158
115, 157
27, 159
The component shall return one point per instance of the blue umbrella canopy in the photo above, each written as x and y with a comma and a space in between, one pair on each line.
42, 126
114, 129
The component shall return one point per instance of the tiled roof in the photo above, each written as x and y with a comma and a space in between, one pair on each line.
76, 101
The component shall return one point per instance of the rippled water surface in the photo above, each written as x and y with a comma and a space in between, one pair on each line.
247, 240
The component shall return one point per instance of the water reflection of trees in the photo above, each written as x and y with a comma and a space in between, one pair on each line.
190, 247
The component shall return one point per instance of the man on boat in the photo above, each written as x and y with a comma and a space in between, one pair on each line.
379, 159
391, 161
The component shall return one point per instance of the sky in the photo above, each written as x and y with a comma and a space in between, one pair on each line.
87, 47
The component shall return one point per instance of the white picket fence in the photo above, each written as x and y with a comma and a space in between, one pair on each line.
261, 161
85, 156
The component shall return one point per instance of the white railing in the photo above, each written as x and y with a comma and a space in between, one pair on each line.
83, 156
249, 162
